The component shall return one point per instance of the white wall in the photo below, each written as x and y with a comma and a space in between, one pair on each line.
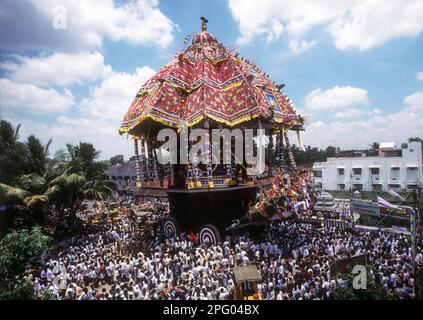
411, 157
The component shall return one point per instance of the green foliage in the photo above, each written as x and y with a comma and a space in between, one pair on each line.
20, 291
30, 178
17, 248
373, 291
116, 159
12, 153
49, 295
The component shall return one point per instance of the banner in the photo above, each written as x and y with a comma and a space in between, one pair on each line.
383, 203
391, 210
401, 212
364, 207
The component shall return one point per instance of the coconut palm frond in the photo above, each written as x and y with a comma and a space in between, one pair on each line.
52, 190
76, 179
36, 200
10, 194
33, 182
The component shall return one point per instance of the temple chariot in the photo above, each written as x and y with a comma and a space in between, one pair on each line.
207, 86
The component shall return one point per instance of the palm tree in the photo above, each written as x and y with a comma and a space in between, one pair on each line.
37, 155
31, 179
83, 162
9, 136
12, 153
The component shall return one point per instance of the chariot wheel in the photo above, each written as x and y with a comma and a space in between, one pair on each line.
209, 234
171, 227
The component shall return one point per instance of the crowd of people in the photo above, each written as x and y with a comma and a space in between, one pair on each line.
294, 259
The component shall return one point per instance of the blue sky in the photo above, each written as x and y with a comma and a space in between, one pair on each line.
355, 70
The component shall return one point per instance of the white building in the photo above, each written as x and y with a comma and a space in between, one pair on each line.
398, 169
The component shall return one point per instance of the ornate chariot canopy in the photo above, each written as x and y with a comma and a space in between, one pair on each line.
209, 81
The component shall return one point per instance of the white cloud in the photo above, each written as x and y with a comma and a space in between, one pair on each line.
349, 113
414, 101
354, 112
18, 97
57, 69
113, 96
419, 76
32, 24
139, 21
102, 134
297, 46
378, 127
100, 112
336, 98
353, 24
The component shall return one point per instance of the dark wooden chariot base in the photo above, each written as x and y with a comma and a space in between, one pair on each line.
219, 207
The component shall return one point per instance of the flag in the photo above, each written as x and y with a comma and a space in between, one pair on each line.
186, 39
192, 236
385, 204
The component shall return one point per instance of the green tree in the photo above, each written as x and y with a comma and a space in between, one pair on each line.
31, 179
116, 159
373, 291
330, 152
17, 250
12, 153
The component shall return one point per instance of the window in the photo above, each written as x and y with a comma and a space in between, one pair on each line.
411, 150
395, 168
394, 185
374, 170
341, 186
377, 187
358, 187
412, 168
317, 174
340, 171
357, 171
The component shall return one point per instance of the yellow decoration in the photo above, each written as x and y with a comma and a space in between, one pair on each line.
211, 184
199, 184
234, 85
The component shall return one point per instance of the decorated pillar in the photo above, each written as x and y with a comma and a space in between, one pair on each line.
208, 146
150, 170
171, 175
155, 163
271, 151
143, 162
280, 147
160, 169
137, 165
190, 172
228, 146
290, 154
